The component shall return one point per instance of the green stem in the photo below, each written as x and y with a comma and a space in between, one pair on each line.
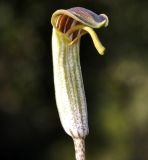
79, 144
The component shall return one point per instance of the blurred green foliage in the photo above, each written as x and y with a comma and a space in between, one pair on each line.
116, 84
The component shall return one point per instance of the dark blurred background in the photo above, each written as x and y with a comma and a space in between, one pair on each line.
116, 84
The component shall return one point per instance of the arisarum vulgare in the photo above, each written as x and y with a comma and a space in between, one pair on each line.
68, 27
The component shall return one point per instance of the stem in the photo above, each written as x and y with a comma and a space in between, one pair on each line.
79, 144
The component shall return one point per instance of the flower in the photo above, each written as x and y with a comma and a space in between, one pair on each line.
77, 21
68, 28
